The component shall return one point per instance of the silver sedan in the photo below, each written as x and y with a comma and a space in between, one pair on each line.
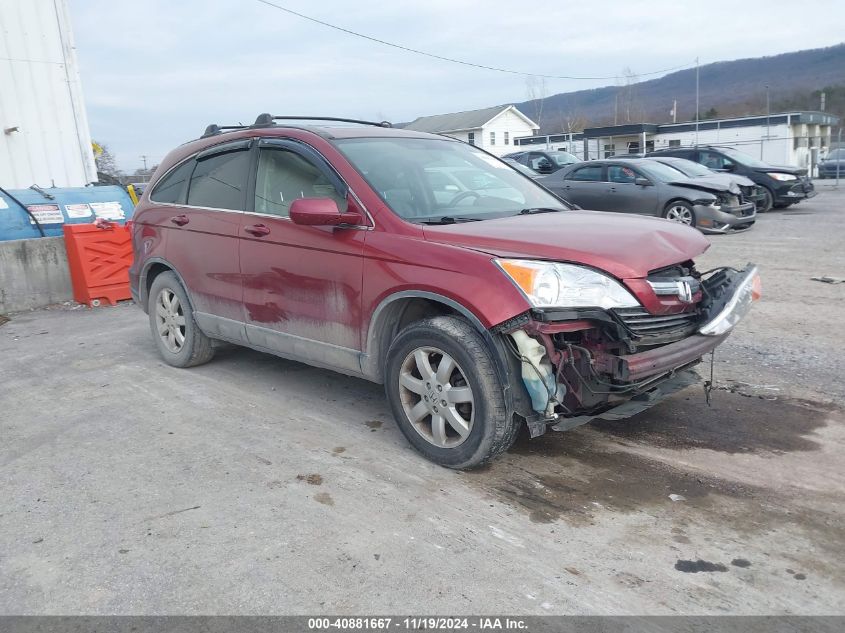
651, 188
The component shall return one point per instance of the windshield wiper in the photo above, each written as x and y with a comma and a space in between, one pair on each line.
448, 219
534, 210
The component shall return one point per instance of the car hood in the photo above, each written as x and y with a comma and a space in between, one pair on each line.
626, 246
783, 169
709, 183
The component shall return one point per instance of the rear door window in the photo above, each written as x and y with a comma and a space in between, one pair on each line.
219, 180
591, 173
171, 189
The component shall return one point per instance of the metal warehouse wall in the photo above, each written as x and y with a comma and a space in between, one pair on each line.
41, 96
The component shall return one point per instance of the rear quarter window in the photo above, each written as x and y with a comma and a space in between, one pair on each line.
172, 187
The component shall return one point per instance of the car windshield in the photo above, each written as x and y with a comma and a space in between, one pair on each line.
689, 168
661, 172
563, 158
742, 158
837, 154
424, 180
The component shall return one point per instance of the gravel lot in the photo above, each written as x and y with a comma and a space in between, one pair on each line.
258, 485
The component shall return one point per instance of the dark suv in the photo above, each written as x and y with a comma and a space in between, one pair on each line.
782, 186
480, 300
545, 161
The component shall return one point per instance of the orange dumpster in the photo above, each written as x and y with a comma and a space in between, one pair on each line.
99, 256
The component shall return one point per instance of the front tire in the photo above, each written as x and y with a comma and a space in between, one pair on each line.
179, 339
444, 391
768, 201
681, 212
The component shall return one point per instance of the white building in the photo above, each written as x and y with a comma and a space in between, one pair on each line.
797, 138
493, 129
44, 136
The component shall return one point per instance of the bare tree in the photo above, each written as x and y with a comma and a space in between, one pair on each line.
105, 161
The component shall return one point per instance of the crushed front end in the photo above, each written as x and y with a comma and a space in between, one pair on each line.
611, 362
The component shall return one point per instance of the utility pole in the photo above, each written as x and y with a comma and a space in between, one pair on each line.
696, 101
768, 113
674, 110
838, 154
144, 158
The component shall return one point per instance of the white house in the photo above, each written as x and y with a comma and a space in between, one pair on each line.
493, 129
797, 138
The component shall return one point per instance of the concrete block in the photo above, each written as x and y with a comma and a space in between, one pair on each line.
33, 273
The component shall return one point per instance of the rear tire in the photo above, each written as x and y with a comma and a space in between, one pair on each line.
179, 339
445, 393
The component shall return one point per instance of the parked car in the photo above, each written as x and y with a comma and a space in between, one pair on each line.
740, 185
782, 186
631, 185
479, 314
545, 161
524, 169
833, 162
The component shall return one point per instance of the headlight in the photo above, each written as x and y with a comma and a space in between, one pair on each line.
547, 284
781, 176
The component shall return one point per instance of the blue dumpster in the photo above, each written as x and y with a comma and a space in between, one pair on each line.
53, 208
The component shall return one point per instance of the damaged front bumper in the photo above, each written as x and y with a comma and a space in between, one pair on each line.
725, 219
580, 369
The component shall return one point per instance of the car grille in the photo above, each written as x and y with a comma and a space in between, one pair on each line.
658, 326
751, 193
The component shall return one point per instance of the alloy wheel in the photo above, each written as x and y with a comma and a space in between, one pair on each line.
436, 396
170, 320
679, 213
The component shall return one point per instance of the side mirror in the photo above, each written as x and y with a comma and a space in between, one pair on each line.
729, 167
643, 182
321, 212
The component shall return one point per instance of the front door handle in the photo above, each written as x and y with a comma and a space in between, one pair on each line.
258, 230
180, 220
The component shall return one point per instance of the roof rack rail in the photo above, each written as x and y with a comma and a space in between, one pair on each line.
266, 119
214, 129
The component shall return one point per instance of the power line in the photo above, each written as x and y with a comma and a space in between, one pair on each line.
450, 59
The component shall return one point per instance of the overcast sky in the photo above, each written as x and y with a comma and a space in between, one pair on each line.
155, 73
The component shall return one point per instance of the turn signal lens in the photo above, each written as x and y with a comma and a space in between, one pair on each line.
756, 288
522, 274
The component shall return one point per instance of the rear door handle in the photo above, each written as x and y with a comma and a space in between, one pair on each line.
180, 220
258, 230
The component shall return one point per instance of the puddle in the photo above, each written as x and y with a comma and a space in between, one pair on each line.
696, 566
584, 476
574, 478
735, 423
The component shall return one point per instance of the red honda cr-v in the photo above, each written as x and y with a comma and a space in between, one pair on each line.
480, 300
